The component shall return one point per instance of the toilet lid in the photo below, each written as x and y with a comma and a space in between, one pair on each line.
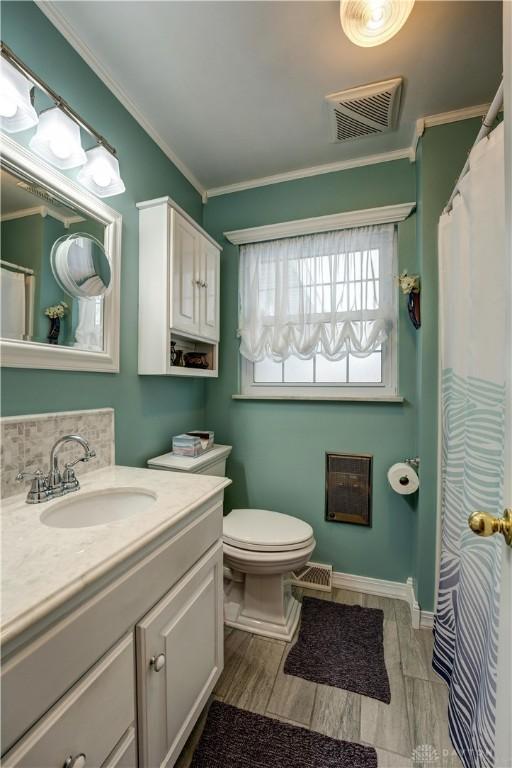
265, 531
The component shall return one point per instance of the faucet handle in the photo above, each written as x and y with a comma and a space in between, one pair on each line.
39, 487
24, 475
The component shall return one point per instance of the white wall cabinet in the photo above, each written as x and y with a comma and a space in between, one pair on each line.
157, 629
178, 289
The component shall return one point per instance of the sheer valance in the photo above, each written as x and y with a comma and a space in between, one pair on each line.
330, 293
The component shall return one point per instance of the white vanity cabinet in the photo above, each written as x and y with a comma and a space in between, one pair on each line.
185, 625
179, 288
119, 680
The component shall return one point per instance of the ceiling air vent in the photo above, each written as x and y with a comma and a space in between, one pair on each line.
365, 110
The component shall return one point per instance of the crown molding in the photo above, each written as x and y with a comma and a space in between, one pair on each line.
315, 170
51, 11
43, 211
384, 215
443, 118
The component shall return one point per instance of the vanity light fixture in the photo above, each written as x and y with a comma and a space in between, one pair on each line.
16, 110
101, 174
57, 140
372, 22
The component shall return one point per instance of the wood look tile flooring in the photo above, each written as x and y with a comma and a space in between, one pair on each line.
253, 679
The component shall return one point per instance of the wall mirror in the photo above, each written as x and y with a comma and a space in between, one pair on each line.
60, 269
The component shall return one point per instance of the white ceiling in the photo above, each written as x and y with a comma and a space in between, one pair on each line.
236, 89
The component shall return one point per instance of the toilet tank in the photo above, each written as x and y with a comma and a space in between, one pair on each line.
213, 462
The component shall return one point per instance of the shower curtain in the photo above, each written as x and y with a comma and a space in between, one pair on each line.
472, 340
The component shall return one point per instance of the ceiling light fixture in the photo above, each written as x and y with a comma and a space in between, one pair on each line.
57, 140
372, 22
101, 174
16, 110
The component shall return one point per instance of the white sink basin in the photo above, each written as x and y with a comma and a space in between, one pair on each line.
82, 510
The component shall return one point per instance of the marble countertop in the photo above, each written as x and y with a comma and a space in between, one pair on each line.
43, 566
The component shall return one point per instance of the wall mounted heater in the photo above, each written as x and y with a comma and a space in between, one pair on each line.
348, 484
365, 110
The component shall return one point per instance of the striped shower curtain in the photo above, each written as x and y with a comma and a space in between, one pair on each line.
472, 339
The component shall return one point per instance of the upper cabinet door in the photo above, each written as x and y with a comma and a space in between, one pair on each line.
179, 660
185, 257
209, 305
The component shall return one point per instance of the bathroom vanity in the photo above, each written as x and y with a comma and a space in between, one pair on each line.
112, 634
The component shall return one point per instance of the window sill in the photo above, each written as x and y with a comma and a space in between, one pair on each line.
327, 398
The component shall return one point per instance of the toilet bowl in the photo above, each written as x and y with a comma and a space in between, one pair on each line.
261, 548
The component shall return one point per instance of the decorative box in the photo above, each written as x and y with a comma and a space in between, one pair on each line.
192, 444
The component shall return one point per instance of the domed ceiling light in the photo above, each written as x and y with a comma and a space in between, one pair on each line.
372, 22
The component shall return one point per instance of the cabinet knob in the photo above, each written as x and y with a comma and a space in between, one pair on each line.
157, 662
75, 762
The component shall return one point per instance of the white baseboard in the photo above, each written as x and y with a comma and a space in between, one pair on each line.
427, 620
394, 589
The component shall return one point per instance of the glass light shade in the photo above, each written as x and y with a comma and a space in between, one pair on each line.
16, 110
372, 22
101, 174
57, 140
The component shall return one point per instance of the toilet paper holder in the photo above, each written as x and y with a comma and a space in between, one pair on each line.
413, 462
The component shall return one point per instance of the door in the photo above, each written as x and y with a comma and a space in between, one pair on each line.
185, 256
209, 288
504, 691
472, 626
179, 660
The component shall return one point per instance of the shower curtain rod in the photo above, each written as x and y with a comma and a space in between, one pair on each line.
16, 267
484, 131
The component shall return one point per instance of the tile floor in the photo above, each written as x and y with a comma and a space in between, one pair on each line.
416, 718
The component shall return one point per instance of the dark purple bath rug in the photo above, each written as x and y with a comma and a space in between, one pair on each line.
234, 738
342, 646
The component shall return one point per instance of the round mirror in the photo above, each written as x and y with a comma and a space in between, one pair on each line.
81, 266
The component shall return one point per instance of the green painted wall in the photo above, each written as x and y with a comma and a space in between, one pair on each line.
279, 447
148, 409
442, 153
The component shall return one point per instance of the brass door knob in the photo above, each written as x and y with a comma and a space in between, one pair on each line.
484, 524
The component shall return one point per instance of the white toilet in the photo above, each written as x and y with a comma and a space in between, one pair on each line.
261, 549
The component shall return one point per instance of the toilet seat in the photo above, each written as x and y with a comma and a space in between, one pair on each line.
261, 530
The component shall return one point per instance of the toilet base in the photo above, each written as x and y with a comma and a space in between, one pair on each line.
263, 605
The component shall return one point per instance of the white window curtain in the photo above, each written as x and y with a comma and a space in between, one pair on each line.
329, 293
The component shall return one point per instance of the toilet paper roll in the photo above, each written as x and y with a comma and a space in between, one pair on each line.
403, 479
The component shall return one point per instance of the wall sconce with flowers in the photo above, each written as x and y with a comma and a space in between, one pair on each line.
410, 287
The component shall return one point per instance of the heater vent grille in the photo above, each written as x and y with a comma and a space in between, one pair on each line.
348, 488
364, 111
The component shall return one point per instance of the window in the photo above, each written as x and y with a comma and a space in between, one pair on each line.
318, 315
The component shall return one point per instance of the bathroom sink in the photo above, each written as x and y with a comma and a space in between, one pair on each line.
82, 510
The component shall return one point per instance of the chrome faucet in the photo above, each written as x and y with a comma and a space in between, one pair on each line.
46, 487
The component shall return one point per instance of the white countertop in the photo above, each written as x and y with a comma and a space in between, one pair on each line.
43, 566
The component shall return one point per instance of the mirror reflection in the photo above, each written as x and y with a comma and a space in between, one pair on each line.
80, 265
54, 270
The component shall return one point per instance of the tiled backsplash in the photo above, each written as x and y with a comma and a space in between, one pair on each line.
26, 442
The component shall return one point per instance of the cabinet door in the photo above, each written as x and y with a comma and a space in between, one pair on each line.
209, 306
88, 722
179, 659
185, 256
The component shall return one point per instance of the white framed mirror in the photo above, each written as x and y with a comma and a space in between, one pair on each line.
60, 269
